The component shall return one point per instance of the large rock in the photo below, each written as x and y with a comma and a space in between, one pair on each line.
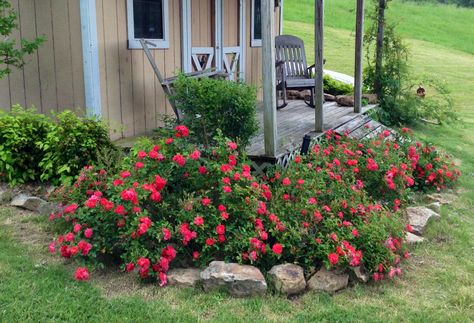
360, 274
371, 98
329, 97
435, 206
47, 208
28, 202
419, 216
443, 198
345, 100
6, 195
329, 281
184, 277
288, 279
411, 238
238, 280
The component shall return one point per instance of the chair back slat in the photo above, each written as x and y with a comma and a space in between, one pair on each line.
290, 49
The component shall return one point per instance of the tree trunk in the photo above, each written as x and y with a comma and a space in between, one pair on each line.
379, 46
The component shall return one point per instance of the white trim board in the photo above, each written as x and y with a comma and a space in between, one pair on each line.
186, 31
90, 58
134, 43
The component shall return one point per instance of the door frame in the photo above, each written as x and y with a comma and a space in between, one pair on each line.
186, 36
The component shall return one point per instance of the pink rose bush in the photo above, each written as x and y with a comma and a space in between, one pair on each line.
174, 204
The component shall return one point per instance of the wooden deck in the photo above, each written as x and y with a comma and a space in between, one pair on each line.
296, 120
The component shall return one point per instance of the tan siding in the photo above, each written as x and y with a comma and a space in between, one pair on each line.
62, 54
112, 63
28, 31
47, 66
76, 54
231, 23
52, 78
16, 77
4, 94
253, 67
125, 76
131, 94
102, 59
201, 23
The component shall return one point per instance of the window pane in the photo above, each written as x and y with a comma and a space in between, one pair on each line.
148, 19
257, 22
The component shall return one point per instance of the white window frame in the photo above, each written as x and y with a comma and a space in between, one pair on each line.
254, 42
134, 43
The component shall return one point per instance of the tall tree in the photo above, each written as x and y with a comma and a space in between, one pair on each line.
11, 53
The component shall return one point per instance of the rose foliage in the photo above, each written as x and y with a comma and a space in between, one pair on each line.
173, 205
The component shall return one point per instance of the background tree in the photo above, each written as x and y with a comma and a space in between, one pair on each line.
11, 53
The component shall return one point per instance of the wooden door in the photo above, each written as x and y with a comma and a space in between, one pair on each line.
214, 36
203, 44
232, 44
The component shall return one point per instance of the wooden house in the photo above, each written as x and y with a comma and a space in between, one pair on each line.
92, 59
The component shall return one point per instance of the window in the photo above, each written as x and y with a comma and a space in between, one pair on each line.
256, 28
148, 19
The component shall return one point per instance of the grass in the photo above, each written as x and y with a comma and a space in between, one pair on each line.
445, 25
438, 284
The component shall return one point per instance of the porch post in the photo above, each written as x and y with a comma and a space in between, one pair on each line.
186, 34
319, 64
269, 78
358, 57
219, 37
90, 58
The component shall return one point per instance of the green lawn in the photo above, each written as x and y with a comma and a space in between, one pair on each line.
445, 25
438, 283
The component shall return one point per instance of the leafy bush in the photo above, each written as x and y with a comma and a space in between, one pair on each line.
21, 134
398, 99
72, 144
211, 104
175, 205
34, 147
335, 87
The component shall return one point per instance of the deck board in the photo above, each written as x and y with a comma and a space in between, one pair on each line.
297, 120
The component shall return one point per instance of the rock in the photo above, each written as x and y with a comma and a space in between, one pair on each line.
371, 98
329, 97
345, 100
411, 238
360, 274
47, 208
419, 216
442, 198
435, 206
297, 95
238, 280
184, 277
6, 195
28, 202
329, 281
288, 279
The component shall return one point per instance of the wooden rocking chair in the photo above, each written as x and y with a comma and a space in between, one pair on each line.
292, 72
167, 84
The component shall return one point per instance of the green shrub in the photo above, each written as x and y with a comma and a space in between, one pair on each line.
211, 104
73, 143
34, 147
21, 135
335, 87
399, 103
